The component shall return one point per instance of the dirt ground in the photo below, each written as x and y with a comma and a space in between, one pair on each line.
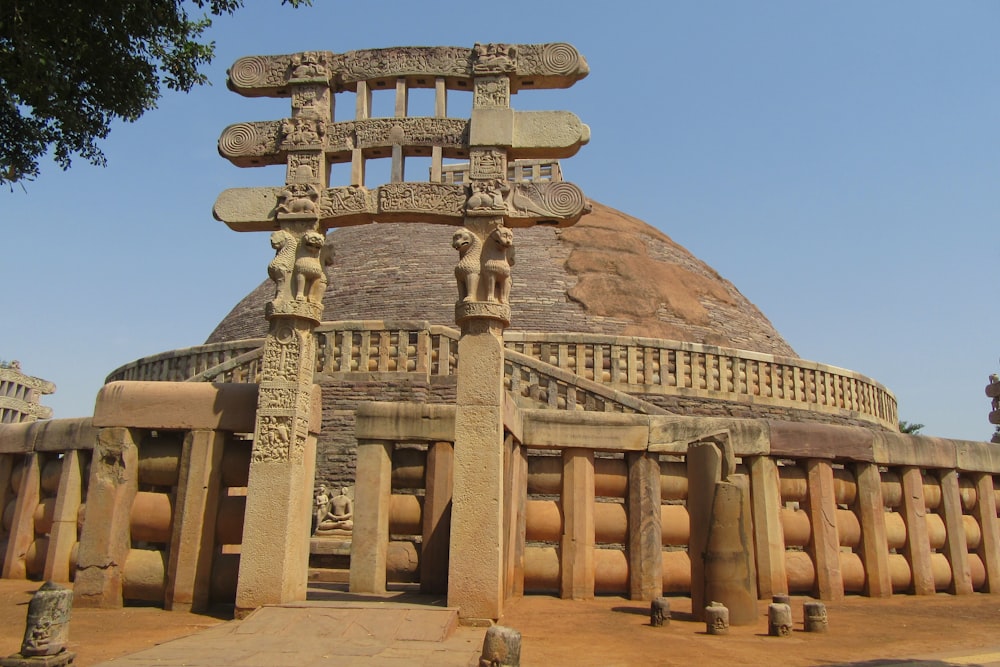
862, 631
610, 631
97, 635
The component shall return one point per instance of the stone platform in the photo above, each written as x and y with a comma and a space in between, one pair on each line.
325, 632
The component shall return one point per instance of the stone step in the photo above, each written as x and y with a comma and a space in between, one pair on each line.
383, 621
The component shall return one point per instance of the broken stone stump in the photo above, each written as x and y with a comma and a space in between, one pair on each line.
501, 648
716, 619
781, 599
815, 617
659, 612
46, 630
779, 620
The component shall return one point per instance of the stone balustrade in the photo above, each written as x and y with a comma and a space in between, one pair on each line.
652, 367
190, 362
644, 368
43, 487
836, 509
518, 171
385, 347
561, 389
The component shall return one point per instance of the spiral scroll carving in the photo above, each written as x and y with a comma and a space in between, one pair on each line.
560, 58
239, 139
249, 71
563, 199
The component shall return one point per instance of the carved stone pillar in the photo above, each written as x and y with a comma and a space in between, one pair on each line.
274, 558
485, 246
475, 580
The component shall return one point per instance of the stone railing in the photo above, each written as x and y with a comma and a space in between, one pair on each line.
374, 346
199, 362
43, 485
644, 367
559, 389
20, 394
607, 504
518, 171
650, 366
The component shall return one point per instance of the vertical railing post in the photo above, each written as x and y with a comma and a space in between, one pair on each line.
577, 545
644, 548
989, 529
63, 535
874, 549
918, 546
22, 528
106, 538
824, 543
436, 518
769, 538
192, 543
370, 540
955, 548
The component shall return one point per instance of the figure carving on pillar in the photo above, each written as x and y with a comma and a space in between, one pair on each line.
309, 277
498, 257
284, 260
467, 270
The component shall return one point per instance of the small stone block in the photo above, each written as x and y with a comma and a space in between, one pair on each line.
779, 620
659, 612
501, 648
815, 617
716, 619
781, 599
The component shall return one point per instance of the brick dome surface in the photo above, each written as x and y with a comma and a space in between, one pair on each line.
609, 274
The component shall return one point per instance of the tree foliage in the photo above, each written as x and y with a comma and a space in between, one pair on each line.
908, 428
70, 68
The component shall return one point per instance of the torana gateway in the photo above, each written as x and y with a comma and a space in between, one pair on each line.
407, 400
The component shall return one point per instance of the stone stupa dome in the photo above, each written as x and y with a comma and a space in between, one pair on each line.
610, 274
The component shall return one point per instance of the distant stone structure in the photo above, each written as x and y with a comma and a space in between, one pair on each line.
20, 395
993, 393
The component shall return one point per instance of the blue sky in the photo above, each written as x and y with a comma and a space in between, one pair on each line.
837, 161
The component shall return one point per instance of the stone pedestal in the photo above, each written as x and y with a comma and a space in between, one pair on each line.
475, 581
